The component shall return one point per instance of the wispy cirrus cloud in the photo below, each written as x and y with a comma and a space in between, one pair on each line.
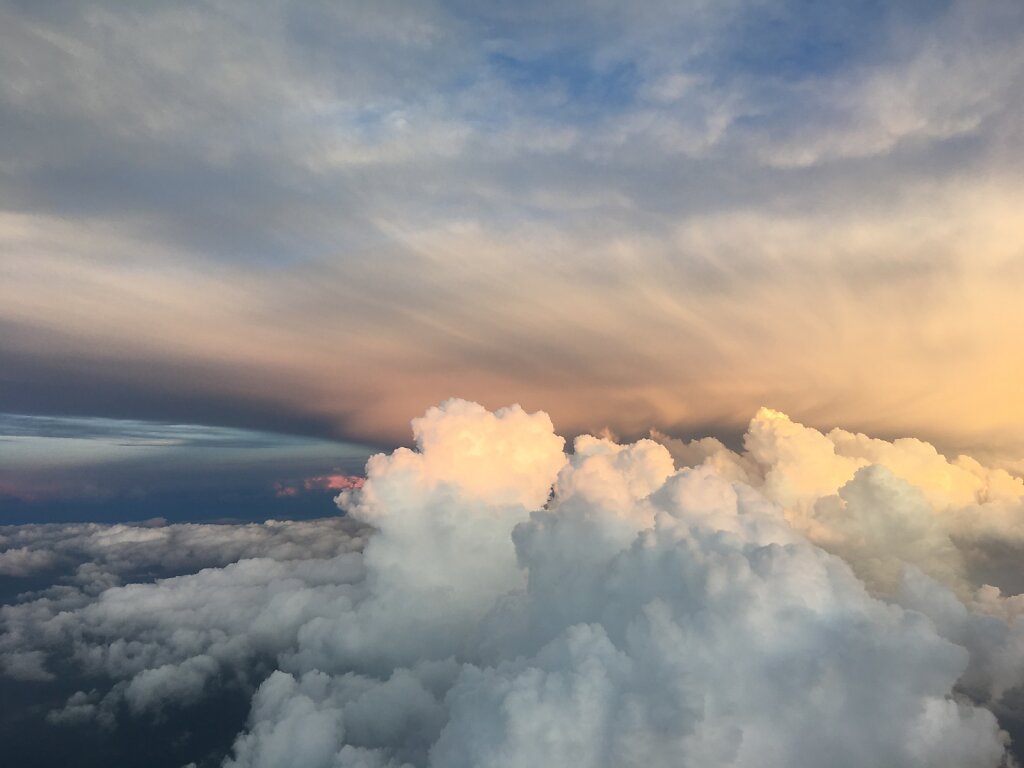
314, 219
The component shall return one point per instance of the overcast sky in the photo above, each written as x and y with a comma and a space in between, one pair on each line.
317, 219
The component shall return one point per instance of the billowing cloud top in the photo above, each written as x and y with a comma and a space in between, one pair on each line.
320, 218
814, 599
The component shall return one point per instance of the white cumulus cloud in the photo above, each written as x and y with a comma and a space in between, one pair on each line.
813, 599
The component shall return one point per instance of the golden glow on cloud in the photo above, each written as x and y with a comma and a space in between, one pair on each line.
901, 321
465, 206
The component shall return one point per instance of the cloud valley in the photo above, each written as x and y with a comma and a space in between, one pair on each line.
491, 600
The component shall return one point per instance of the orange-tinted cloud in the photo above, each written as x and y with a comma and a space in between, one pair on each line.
842, 241
334, 482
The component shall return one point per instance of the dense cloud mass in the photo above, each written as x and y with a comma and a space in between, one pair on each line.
491, 601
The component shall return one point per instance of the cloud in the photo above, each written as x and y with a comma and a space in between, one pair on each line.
807, 600
126, 550
443, 552
76, 468
23, 561
879, 504
454, 192
320, 483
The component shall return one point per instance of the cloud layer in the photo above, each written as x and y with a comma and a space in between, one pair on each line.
814, 598
695, 208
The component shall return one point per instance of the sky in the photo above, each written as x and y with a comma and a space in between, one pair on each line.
318, 219
414, 384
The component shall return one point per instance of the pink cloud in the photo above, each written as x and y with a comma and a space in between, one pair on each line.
336, 482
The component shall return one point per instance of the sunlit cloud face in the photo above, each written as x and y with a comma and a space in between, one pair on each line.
319, 220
